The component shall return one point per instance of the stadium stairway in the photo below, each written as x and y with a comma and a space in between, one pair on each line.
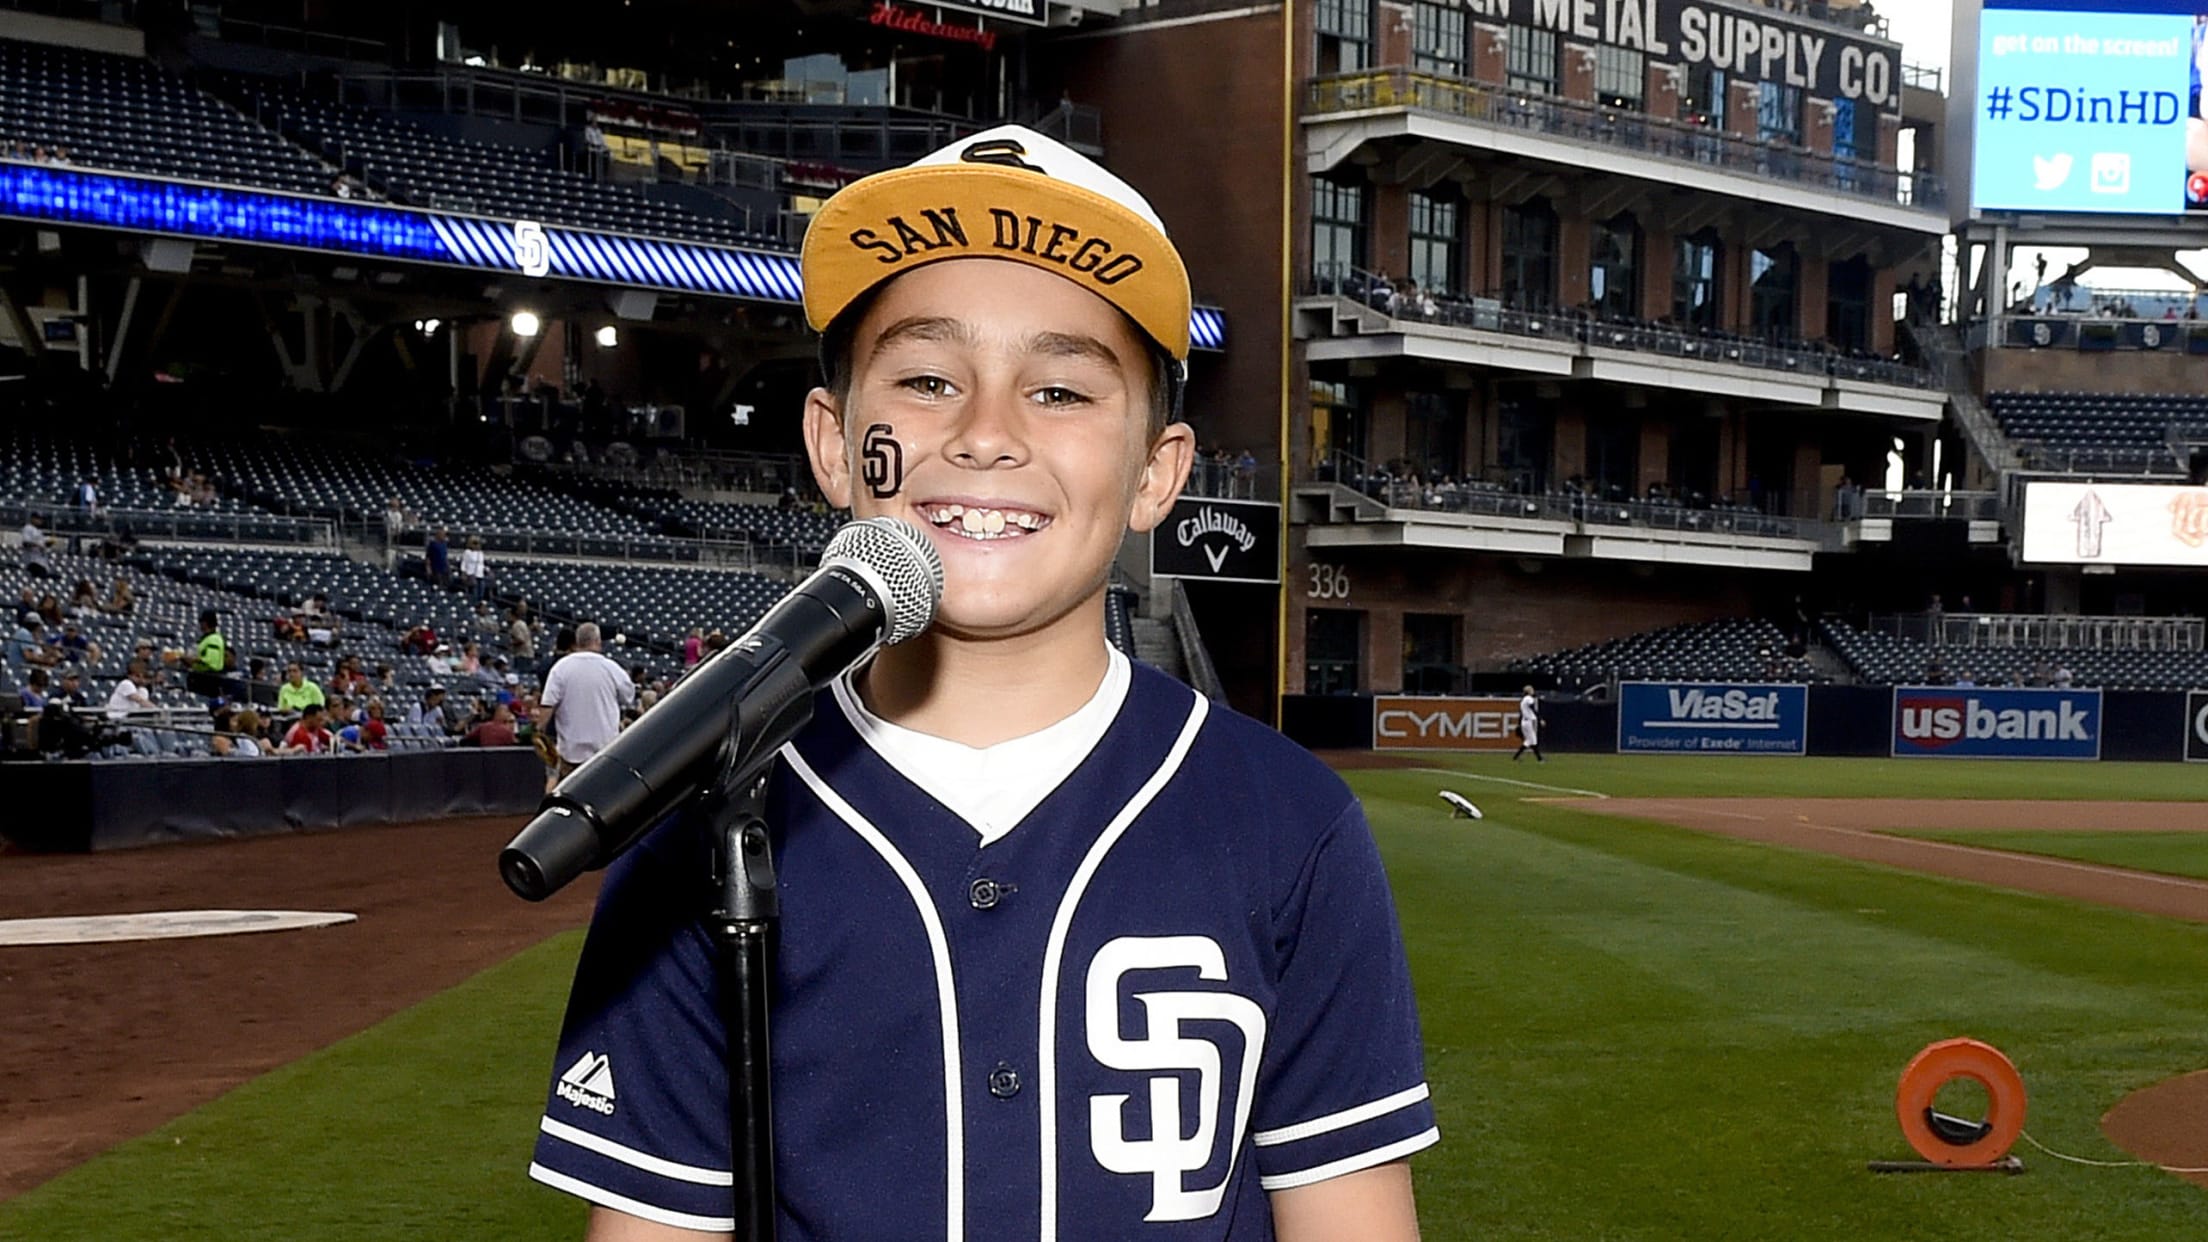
1157, 645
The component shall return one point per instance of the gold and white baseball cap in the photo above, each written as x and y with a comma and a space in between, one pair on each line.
1005, 193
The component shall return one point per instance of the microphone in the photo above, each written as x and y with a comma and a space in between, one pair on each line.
878, 584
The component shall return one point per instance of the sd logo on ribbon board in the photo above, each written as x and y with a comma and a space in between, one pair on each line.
1218, 540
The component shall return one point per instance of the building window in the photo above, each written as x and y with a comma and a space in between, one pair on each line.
1437, 38
1779, 113
1531, 65
1614, 268
1705, 101
1694, 275
1433, 661
1337, 432
1337, 232
1844, 149
1433, 434
1436, 243
1345, 35
1525, 433
1774, 277
1529, 255
1848, 304
1621, 75
1333, 651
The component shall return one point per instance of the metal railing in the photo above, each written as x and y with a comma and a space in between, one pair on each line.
1923, 505
1609, 127
1233, 479
1194, 657
2044, 631
1490, 314
1859, 17
172, 525
1943, 354
2155, 462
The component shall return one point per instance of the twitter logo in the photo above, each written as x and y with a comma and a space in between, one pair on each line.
2049, 172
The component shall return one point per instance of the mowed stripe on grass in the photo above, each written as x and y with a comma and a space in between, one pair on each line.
1634, 1032
2163, 853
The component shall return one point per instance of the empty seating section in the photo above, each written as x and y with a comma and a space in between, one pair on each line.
1734, 650
414, 165
802, 530
2116, 432
647, 605
40, 475
1884, 659
131, 115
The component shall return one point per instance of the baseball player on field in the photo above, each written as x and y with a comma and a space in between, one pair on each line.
1529, 727
1067, 952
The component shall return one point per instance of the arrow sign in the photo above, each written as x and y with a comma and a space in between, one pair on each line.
1217, 556
2090, 516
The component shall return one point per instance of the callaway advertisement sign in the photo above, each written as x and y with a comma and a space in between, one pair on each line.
2196, 727
1219, 540
1419, 723
1956, 722
1712, 718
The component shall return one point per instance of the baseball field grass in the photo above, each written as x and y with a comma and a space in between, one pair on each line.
1633, 1032
2165, 853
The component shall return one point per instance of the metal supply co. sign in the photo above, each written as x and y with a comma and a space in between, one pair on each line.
1219, 541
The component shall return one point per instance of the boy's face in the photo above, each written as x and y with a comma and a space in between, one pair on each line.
1019, 408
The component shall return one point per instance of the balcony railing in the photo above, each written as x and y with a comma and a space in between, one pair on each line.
1623, 130
1638, 336
2044, 631
1920, 506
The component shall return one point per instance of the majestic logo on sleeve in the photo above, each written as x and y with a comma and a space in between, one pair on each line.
1165, 1049
589, 1083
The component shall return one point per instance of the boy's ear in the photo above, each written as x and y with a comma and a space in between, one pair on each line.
1164, 473
826, 445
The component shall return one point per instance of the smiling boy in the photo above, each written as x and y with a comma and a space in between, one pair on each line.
1066, 951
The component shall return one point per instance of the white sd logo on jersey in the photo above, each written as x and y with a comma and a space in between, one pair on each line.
1170, 1152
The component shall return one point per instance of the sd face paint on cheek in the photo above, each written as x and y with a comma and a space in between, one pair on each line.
882, 461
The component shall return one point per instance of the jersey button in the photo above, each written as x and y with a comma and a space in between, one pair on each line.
986, 893
1004, 1081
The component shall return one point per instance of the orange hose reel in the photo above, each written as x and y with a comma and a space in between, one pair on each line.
1948, 1141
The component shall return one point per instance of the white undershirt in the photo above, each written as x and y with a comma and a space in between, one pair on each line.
993, 788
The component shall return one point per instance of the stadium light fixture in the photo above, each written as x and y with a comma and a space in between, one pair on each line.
526, 323
608, 337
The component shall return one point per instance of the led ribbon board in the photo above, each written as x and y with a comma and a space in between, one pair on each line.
65, 195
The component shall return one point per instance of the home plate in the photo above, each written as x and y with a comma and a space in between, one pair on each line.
160, 925
1462, 805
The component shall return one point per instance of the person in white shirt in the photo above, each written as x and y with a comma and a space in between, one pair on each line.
471, 566
583, 697
128, 695
1529, 728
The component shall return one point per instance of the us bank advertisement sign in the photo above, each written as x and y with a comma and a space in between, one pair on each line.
2090, 106
1952, 722
1218, 540
1708, 718
1403, 722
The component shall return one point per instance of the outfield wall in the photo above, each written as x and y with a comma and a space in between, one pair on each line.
81, 805
2153, 726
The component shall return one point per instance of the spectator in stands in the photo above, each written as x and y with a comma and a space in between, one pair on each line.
84, 598
129, 694
62, 728
37, 562
2062, 677
521, 639
49, 612
496, 731
387, 680
485, 621
34, 691
317, 622
374, 733
120, 601
348, 680
394, 519
693, 647
474, 576
211, 659
297, 693
436, 559
435, 710
24, 647
583, 697
310, 736
440, 660
470, 663
77, 645
421, 640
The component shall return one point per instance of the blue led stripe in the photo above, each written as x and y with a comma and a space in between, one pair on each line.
68, 195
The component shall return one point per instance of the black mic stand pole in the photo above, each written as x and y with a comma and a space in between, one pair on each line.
746, 911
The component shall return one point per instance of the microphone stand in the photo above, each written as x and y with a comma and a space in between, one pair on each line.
747, 909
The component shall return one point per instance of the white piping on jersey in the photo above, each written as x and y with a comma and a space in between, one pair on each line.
634, 1207
1351, 1164
939, 950
636, 1159
1055, 949
1335, 1121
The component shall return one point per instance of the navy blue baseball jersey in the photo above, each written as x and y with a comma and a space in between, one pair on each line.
1175, 985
